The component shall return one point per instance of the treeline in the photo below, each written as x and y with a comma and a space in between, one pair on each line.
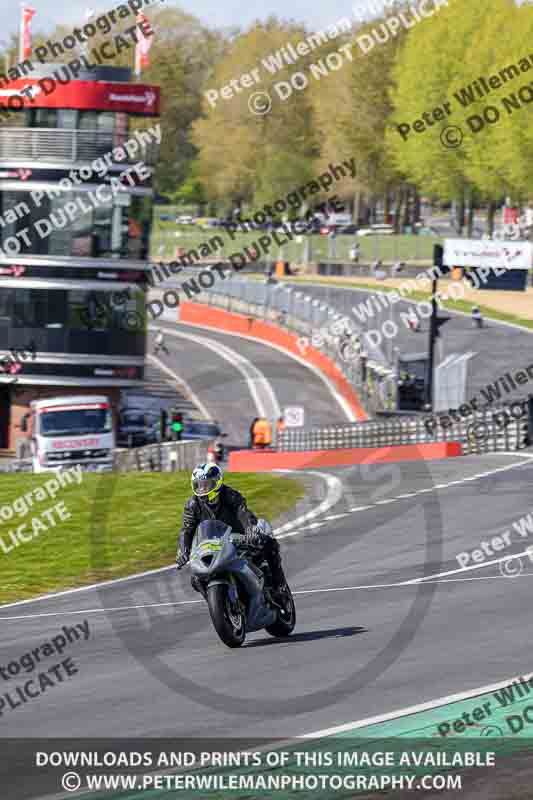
226, 156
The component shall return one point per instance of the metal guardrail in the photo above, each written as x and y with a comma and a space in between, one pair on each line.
53, 145
167, 457
287, 307
479, 434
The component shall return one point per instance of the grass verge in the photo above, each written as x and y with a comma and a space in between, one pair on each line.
120, 524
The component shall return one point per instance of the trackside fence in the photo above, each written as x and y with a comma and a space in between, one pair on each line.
483, 433
317, 324
167, 457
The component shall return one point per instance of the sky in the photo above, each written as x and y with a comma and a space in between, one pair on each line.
216, 13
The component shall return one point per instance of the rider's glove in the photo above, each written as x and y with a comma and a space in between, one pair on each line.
182, 560
253, 534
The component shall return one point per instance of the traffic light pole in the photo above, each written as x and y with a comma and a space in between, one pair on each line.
435, 322
433, 332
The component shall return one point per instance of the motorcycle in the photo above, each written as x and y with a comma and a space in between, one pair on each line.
236, 590
216, 453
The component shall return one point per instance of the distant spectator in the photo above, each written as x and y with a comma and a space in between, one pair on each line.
477, 318
398, 267
160, 343
262, 433
354, 252
251, 433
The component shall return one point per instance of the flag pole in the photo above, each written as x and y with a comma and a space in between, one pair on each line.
21, 34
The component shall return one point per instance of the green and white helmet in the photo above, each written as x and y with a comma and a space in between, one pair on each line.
206, 481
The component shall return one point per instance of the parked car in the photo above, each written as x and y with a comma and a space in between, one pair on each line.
207, 222
194, 429
347, 230
136, 428
376, 230
185, 219
166, 217
427, 231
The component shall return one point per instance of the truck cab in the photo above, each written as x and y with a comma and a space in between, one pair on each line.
67, 431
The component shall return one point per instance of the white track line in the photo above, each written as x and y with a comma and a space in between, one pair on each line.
258, 384
327, 590
343, 403
334, 492
335, 488
440, 486
184, 386
405, 712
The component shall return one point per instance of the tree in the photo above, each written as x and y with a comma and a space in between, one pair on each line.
237, 147
429, 157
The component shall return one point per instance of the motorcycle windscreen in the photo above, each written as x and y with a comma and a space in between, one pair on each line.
210, 529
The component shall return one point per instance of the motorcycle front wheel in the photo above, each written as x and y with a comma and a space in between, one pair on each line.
230, 624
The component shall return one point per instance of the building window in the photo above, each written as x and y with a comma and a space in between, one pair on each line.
116, 230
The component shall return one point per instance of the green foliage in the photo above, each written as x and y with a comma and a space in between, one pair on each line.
227, 155
236, 147
119, 524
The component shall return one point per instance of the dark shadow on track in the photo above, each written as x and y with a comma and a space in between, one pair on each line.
310, 636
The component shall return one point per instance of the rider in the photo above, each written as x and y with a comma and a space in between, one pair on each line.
213, 499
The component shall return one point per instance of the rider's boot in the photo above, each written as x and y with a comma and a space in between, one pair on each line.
279, 583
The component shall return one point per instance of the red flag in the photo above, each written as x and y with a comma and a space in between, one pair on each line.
143, 45
25, 35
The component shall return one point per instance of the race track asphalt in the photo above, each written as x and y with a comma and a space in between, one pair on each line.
499, 348
366, 642
223, 388
356, 652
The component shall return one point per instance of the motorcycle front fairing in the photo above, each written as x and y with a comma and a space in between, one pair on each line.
215, 559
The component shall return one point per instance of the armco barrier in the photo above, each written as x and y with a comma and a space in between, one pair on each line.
198, 314
486, 431
167, 457
257, 461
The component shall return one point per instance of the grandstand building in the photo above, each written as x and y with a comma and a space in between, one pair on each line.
76, 169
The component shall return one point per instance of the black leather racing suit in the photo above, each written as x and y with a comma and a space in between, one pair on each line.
231, 508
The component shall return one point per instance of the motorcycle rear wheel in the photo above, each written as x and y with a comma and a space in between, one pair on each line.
230, 626
284, 625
